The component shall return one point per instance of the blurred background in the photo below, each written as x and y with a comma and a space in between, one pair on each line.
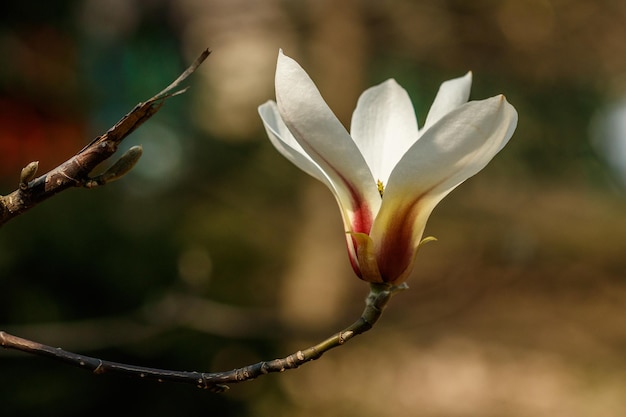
215, 252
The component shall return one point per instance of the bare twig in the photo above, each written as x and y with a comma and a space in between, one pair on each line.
379, 296
75, 171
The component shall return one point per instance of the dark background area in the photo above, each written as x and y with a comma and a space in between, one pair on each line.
215, 252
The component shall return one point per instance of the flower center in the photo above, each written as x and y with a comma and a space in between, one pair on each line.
381, 187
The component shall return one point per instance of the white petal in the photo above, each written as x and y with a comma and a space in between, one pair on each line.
323, 138
286, 144
384, 127
455, 148
452, 94
452, 150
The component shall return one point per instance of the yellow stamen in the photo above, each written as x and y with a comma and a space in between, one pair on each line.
381, 187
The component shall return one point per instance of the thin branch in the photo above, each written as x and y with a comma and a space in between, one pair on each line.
75, 171
379, 296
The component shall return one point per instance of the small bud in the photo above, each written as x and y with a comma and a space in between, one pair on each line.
121, 167
27, 174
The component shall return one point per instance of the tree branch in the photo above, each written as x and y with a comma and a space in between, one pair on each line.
379, 296
75, 171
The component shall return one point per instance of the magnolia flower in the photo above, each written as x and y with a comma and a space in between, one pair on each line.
386, 174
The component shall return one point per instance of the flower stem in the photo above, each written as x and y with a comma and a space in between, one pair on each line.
377, 299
